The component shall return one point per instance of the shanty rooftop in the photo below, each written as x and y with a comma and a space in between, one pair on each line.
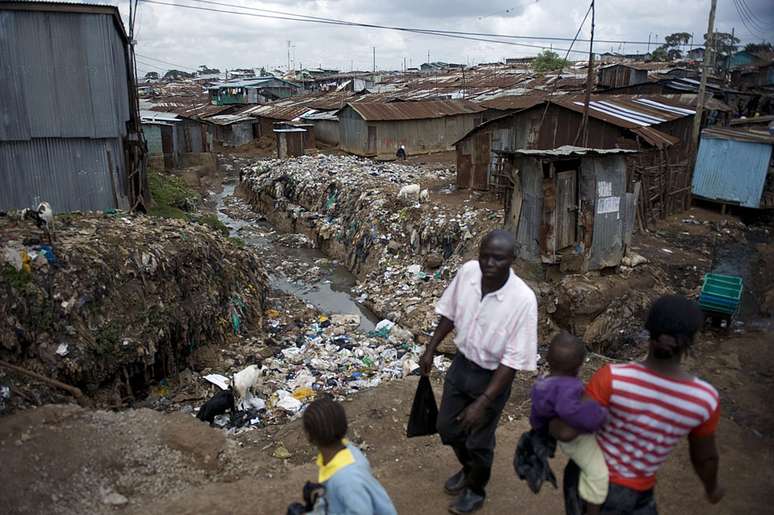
373, 111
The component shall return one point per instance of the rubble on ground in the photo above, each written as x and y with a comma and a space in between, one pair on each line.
116, 301
403, 251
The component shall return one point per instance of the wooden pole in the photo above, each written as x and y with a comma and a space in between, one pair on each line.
72, 390
709, 49
589, 84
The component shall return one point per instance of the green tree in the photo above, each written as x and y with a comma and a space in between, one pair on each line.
177, 75
547, 61
206, 70
152, 76
724, 43
660, 54
677, 39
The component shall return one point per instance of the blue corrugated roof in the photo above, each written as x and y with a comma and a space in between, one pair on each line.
731, 171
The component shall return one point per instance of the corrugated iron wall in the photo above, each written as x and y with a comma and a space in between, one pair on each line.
528, 234
610, 209
731, 171
71, 174
327, 131
64, 92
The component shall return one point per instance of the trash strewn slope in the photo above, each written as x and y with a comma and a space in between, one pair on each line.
117, 301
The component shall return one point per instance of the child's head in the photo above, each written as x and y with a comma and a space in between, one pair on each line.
566, 354
325, 422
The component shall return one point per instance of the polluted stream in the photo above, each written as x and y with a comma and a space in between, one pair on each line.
331, 293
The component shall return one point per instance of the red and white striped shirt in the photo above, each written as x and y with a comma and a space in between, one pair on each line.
649, 414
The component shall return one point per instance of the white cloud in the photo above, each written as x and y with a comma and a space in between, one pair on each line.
192, 37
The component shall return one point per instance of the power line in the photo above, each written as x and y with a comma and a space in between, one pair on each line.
746, 20
331, 21
179, 66
755, 20
308, 18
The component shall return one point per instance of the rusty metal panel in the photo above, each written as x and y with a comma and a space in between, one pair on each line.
566, 214
609, 174
383, 111
481, 164
529, 173
464, 165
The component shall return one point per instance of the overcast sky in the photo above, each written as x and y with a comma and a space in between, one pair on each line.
189, 38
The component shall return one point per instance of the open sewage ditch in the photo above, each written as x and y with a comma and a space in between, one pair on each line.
140, 311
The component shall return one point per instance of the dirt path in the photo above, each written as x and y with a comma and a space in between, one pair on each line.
61, 459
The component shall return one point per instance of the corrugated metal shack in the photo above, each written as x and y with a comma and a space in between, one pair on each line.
570, 206
69, 130
378, 128
657, 127
170, 136
326, 125
290, 142
620, 75
735, 167
232, 130
259, 90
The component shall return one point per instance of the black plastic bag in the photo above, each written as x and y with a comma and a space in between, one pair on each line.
531, 459
424, 411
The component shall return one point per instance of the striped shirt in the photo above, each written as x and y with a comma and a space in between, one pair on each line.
649, 415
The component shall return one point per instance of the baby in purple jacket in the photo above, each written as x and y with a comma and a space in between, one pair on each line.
560, 395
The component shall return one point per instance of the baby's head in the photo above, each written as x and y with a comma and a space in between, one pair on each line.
325, 422
566, 354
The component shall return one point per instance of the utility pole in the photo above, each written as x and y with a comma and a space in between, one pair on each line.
374, 49
428, 57
288, 68
709, 48
589, 82
649, 33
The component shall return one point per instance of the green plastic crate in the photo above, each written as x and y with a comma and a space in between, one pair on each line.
721, 293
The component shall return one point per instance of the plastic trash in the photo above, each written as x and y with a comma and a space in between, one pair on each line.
62, 350
424, 411
287, 402
218, 380
304, 394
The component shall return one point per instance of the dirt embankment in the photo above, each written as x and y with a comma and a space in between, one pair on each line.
118, 301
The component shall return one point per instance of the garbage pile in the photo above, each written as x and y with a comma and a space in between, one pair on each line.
327, 356
404, 250
116, 301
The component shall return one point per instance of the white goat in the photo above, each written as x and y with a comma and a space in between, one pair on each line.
409, 191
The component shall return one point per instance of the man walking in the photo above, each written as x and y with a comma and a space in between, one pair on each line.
495, 317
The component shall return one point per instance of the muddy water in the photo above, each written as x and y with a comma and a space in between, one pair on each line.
741, 259
331, 294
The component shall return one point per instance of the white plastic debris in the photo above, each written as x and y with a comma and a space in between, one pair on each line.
218, 380
414, 269
384, 324
62, 350
287, 402
251, 402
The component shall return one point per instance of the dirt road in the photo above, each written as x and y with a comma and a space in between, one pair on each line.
66, 460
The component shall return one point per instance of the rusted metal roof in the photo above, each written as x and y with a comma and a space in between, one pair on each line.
513, 102
739, 135
379, 111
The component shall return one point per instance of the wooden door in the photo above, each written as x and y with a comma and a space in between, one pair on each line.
371, 140
566, 208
